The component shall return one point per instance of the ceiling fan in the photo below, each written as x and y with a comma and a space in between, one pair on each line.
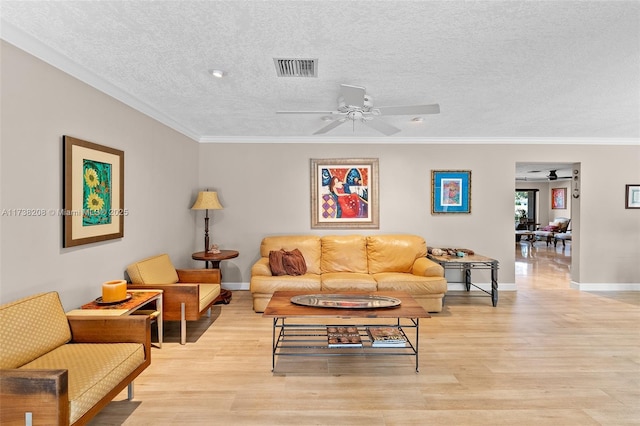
355, 104
554, 176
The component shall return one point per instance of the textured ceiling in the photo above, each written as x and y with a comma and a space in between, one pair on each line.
512, 71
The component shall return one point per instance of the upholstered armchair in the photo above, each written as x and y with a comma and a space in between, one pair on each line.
188, 293
547, 233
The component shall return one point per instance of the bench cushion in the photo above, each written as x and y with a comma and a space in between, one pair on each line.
94, 370
208, 292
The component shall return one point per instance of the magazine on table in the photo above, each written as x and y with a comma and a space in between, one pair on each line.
343, 337
386, 337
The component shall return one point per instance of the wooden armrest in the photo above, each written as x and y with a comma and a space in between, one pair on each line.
43, 393
200, 276
173, 296
124, 329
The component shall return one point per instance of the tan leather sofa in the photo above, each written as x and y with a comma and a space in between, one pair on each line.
341, 263
187, 293
59, 370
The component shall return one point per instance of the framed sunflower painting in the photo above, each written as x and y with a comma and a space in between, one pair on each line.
93, 192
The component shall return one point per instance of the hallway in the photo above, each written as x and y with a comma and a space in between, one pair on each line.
539, 266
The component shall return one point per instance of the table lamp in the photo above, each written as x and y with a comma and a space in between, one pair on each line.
206, 200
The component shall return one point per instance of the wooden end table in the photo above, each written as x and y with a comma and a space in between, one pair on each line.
215, 259
138, 300
468, 263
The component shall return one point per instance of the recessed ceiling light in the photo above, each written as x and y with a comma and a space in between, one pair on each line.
327, 118
218, 73
417, 119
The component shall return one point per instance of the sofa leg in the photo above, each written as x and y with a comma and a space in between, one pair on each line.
130, 391
183, 324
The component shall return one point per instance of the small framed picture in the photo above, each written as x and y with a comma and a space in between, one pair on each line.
632, 197
450, 191
558, 198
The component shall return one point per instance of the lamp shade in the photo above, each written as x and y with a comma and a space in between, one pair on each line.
207, 201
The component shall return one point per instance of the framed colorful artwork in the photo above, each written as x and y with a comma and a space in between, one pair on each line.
558, 198
450, 191
344, 193
93, 192
632, 197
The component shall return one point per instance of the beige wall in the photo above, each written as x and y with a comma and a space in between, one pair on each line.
39, 104
264, 189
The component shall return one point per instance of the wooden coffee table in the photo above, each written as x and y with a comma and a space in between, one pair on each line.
309, 336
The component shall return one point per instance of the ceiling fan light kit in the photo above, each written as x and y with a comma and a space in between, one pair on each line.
218, 73
355, 104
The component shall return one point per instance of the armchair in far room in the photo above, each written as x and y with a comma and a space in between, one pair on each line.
547, 233
562, 236
188, 293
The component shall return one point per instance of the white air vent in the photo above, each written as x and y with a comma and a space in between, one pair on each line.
296, 67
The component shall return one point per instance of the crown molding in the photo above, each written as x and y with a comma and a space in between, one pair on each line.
29, 44
425, 141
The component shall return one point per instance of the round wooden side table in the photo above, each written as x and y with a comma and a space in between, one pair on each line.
214, 258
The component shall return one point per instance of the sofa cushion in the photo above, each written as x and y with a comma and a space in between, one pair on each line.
42, 326
348, 281
269, 284
153, 270
308, 245
344, 253
394, 253
94, 370
412, 284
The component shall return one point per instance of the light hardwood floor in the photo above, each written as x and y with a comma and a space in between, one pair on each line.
547, 355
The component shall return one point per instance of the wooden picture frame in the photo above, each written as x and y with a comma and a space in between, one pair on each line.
450, 191
93, 192
632, 196
344, 193
558, 198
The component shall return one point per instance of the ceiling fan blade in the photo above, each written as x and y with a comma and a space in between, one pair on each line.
306, 112
410, 110
329, 126
352, 95
382, 127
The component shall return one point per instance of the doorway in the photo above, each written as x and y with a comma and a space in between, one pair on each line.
540, 264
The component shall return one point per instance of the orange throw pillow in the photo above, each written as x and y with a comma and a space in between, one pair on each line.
284, 262
275, 262
294, 263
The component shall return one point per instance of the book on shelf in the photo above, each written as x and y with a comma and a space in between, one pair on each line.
385, 337
343, 337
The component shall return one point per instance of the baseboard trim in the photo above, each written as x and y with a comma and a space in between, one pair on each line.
235, 286
605, 286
